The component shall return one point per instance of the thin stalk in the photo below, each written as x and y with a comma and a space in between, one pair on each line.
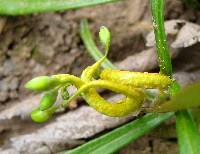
164, 60
187, 142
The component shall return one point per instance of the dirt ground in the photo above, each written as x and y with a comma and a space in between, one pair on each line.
49, 43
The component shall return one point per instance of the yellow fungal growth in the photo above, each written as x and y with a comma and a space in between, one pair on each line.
131, 84
137, 79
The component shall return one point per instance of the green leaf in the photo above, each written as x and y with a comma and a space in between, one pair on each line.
187, 132
121, 136
22, 7
187, 98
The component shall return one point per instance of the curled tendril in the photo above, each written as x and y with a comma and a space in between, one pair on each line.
131, 84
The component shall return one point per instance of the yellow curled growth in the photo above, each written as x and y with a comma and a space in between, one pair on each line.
130, 84
137, 79
132, 101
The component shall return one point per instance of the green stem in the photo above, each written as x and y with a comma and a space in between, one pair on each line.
22, 7
186, 143
164, 60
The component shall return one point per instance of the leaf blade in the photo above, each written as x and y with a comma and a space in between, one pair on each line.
22, 7
121, 136
187, 98
188, 137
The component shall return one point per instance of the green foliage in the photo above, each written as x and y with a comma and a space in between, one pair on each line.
166, 68
187, 98
121, 136
187, 133
118, 138
22, 7
157, 7
130, 84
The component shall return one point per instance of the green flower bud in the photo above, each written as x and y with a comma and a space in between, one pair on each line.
40, 116
104, 36
48, 100
42, 83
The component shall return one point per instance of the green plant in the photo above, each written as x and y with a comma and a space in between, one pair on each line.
131, 84
188, 135
22, 7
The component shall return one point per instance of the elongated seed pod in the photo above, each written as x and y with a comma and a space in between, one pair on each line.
137, 79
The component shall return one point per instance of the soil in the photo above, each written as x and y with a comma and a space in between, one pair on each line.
49, 43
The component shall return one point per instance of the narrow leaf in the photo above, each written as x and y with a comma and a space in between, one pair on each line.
187, 98
22, 7
188, 135
121, 136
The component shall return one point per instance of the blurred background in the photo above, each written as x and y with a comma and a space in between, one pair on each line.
49, 43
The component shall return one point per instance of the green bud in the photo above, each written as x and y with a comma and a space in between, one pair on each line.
104, 36
40, 116
42, 83
48, 100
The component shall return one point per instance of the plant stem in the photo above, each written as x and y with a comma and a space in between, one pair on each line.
164, 59
187, 142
